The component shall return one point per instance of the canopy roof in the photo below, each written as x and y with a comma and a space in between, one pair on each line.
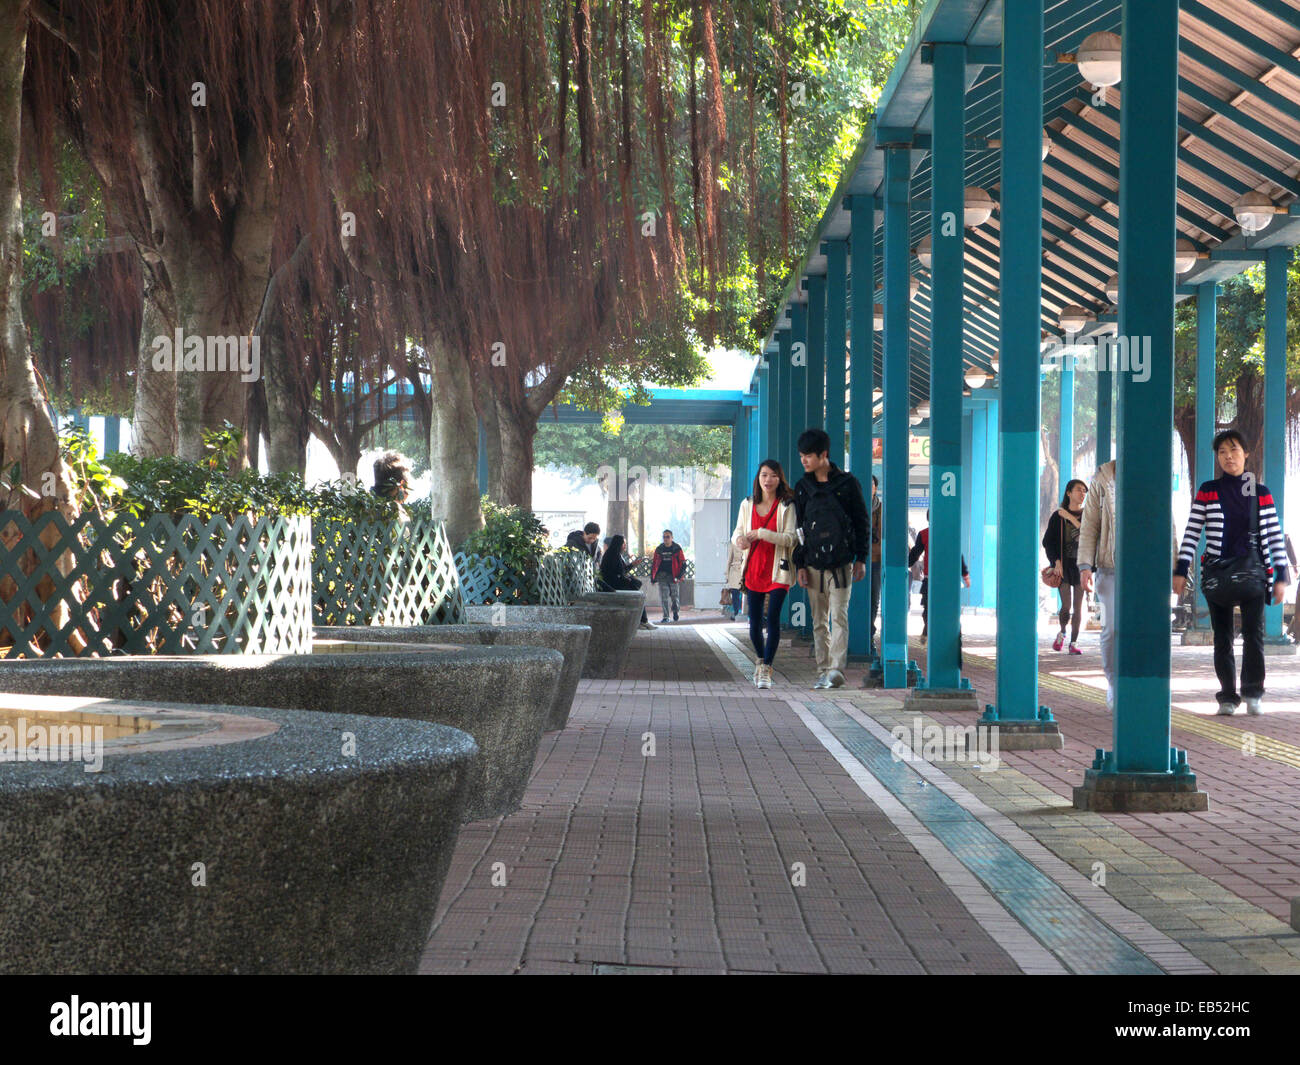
1239, 130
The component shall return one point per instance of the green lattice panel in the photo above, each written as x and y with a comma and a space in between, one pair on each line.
164, 585
565, 574
485, 579
384, 573
642, 569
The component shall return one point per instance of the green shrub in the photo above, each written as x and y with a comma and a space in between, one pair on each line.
512, 534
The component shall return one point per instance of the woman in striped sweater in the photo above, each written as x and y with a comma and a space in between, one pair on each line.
1224, 509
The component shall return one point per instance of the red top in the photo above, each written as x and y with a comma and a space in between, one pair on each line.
762, 553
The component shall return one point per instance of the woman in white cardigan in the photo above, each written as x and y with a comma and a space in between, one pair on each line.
765, 532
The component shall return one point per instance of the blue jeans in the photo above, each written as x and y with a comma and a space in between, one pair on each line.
765, 648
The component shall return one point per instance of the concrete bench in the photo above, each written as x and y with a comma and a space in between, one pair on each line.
500, 696
570, 640
227, 839
612, 629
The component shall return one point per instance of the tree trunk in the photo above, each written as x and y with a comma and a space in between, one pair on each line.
28, 440
491, 421
288, 427
153, 421
453, 444
516, 430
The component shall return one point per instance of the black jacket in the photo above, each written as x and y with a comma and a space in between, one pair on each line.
849, 493
576, 540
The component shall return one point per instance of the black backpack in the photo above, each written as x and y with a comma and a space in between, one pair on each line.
827, 534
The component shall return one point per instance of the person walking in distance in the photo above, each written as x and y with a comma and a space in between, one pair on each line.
667, 569
1095, 557
1244, 565
876, 514
832, 551
1061, 542
920, 552
766, 533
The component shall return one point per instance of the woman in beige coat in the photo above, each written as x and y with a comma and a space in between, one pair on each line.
765, 532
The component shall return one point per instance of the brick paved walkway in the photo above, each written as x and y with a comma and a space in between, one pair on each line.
685, 822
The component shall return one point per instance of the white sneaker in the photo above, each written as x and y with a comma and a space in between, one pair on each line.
835, 679
765, 681
758, 674
1227, 709
648, 625
1252, 705
823, 682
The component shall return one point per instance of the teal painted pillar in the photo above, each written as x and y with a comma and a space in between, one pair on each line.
815, 394
894, 599
779, 444
739, 460
112, 434
482, 460
754, 451
862, 383
1144, 465
1275, 294
978, 501
1065, 454
763, 412
992, 493
948, 243
798, 598
1105, 400
837, 260
1020, 283
1207, 342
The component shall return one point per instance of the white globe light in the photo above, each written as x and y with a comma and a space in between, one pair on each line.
979, 206
923, 409
996, 363
914, 420
923, 254
913, 287
1074, 318
1184, 255
1112, 288
1254, 211
878, 318
976, 378
1099, 59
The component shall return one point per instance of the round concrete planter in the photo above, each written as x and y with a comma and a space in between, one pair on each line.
612, 629
279, 853
570, 640
500, 696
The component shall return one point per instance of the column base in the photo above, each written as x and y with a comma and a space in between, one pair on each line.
1106, 792
926, 700
875, 677
1028, 735
1198, 637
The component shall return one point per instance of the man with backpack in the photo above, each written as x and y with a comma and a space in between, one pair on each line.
832, 550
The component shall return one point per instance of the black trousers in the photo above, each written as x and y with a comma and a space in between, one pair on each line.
1252, 650
765, 645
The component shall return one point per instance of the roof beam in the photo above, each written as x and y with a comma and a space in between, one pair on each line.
1242, 80
1234, 151
1281, 60
1236, 117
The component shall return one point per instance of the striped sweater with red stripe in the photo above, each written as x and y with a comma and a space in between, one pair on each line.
1223, 509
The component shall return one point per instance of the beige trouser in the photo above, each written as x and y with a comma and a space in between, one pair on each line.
830, 605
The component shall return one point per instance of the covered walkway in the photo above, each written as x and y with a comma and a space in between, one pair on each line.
774, 831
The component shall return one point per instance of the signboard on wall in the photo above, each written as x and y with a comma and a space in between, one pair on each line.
918, 450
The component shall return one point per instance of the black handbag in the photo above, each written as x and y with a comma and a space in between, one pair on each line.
1229, 581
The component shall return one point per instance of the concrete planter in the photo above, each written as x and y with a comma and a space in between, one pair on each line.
612, 629
570, 640
500, 696
274, 852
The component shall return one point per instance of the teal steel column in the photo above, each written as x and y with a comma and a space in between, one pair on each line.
992, 492
837, 253
798, 598
1207, 342
1065, 453
948, 243
739, 461
482, 460
978, 502
764, 410
815, 396
1144, 466
1275, 294
1020, 285
1105, 400
894, 599
862, 383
